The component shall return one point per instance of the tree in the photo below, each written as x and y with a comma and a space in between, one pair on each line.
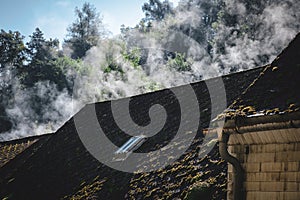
85, 32
41, 50
42, 65
12, 56
12, 49
156, 10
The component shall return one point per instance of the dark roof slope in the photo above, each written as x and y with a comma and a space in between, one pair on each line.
10, 149
276, 90
62, 167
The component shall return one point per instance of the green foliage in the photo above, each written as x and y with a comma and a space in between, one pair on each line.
42, 65
85, 32
180, 63
156, 10
113, 67
41, 50
12, 49
110, 62
133, 56
153, 86
72, 67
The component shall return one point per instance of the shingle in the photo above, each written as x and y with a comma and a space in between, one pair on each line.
277, 88
60, 166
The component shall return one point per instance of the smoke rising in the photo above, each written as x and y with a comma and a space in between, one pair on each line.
233, 48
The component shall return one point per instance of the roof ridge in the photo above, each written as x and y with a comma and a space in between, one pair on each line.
31, 137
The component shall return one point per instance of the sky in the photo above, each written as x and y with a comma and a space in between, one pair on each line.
54, 16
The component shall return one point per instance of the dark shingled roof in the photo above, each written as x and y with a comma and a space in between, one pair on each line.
59, 166
276, 90
10, 149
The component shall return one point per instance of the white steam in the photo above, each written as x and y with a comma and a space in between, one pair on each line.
27, 121
277, 25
